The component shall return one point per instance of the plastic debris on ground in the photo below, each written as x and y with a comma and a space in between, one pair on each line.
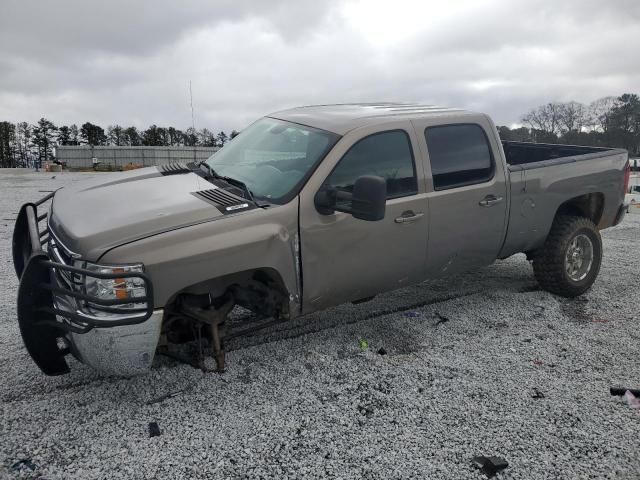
154, 429
631, 399
620, 391
630, 395
24, 465
490, 465
382, 351
411, 314
537, 393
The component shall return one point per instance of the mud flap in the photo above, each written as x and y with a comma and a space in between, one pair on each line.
40, 338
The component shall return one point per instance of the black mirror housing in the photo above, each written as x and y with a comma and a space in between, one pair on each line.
367, 201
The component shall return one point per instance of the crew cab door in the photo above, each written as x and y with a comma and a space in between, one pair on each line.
467, 193
346, 259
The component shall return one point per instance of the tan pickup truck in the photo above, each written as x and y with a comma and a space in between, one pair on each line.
307, 208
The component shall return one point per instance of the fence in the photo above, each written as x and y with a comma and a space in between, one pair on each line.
80, 156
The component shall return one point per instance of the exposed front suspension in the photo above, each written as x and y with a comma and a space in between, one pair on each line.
206, 320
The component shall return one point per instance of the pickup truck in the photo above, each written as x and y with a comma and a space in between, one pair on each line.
306, 209
633, 199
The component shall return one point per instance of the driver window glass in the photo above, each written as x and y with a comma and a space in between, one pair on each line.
387, 155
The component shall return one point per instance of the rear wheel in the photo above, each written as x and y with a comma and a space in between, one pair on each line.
569, 261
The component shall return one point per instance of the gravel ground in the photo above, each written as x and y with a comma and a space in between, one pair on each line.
464, 356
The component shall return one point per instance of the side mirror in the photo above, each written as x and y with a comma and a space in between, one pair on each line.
367, 202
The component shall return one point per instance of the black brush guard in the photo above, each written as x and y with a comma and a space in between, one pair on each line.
41, 322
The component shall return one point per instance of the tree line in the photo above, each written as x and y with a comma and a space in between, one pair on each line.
606, 122
23, 144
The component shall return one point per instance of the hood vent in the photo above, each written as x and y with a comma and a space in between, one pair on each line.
175, 168
224, 201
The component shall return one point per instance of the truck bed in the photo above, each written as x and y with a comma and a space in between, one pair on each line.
521, 153
545, 177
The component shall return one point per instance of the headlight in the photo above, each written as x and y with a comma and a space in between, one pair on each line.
120, 289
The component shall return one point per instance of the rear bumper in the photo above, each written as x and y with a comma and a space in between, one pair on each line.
622, 211
56, 316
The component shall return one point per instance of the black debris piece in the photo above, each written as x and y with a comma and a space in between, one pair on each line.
154, 429
167, 396
24, 465
537, 393
490, 465
441, 319
382, 351
620, 391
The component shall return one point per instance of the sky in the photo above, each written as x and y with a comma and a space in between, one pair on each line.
130, 62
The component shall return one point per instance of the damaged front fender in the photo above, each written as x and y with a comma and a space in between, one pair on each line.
262, 239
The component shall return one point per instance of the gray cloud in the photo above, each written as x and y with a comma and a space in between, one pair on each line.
55, 30
131, 62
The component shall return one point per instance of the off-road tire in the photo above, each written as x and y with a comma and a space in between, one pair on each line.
549, 261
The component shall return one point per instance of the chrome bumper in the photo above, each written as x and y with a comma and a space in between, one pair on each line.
125, 350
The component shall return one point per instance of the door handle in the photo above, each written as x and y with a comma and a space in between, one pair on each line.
489, 201
409, 216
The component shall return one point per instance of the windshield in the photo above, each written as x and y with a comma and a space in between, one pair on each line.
273, 157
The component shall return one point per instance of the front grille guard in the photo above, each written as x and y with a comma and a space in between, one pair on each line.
28, 238
86, 321
29, 241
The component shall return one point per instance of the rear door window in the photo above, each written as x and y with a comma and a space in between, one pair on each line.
385, 154
459, 154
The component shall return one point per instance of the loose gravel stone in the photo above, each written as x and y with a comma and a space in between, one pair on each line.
303, 400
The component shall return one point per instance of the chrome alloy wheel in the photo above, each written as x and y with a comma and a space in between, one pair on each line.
579, 257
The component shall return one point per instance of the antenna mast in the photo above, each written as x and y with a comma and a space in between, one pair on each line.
193, 123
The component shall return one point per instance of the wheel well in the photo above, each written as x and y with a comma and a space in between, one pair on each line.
261, 290
590, 205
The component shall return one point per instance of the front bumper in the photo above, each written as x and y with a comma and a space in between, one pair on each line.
54, 314
125, 350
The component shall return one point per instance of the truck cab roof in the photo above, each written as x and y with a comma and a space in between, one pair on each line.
341, 118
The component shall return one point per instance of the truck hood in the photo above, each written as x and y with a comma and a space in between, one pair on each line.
94, 216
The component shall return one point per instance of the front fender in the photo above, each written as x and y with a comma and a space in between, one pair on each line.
258, 239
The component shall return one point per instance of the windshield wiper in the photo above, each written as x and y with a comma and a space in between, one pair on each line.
231, 181
208, 169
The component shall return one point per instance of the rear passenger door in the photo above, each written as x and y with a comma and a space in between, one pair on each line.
467, 194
